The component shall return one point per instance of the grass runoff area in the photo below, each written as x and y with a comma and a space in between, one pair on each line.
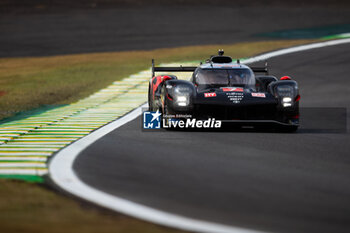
31, 208
30, 83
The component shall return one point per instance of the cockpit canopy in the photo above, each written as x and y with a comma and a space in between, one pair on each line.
214, 78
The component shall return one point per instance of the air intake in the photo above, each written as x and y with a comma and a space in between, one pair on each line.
221, 59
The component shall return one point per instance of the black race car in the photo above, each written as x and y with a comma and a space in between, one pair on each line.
228, 91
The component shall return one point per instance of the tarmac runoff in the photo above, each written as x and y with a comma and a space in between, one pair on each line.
27, 144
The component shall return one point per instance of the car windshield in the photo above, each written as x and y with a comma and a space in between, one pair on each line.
209, 78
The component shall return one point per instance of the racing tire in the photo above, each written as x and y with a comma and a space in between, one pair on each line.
165, 112
150, 102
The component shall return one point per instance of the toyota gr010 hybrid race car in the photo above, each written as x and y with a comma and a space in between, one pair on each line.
227, 91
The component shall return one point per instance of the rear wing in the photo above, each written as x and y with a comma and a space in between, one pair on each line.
264, 69
193, 68
172, 69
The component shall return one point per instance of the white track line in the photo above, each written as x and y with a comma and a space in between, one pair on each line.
23, 164
296, 49
62, 173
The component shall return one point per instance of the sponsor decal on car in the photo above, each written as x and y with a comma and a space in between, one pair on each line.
235, 97
261, 95
212, 94
237, 89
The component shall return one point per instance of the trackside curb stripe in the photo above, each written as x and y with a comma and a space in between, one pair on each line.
71, 183
61, 170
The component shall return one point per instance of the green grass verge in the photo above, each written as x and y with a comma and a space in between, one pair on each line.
30, 83
31, 208
28, 178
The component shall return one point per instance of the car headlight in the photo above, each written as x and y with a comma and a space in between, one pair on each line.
285, 91
182, 100
182, 89
182, 95
287, 102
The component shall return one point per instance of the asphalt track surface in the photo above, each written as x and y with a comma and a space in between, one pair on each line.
259, 180
67, 31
